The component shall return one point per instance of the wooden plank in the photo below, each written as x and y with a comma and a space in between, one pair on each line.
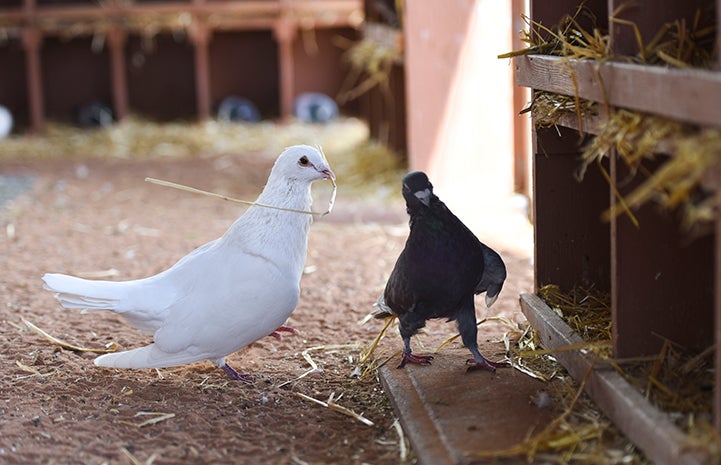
690, 95
717, 312
254, 14
479, 413
572, 242
32, 42
662, 279
642, 423
521, 122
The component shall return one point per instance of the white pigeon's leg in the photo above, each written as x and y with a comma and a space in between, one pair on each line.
230, 371
286, 329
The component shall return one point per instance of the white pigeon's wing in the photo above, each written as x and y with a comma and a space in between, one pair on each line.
149, 356
238, 301
151, 300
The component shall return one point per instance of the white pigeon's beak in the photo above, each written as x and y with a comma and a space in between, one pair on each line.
424, 196
327, 173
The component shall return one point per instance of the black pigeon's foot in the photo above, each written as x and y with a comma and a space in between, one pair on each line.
484, 364
285, 329
409, 357
232, 374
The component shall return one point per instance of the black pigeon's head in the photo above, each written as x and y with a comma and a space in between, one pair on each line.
417, 189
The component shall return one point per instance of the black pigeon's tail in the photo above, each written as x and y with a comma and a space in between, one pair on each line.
384, 311
494, 274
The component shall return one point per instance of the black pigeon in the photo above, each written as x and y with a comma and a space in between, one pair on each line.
438, 272
95, 114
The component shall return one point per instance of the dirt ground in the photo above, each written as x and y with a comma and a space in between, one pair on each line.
99, 217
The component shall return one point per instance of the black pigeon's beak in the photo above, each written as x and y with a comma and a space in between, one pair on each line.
424, 196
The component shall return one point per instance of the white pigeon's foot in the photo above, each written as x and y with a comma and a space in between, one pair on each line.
232, 374
285, 329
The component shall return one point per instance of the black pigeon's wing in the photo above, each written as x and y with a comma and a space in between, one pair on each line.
441, 263
494, 274
400, 295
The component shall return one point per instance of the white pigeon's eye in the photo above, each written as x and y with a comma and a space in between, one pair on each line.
303, 161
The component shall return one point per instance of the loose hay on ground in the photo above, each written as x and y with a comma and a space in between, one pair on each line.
677, 381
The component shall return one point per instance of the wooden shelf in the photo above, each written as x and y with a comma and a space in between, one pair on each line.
688, 95
31, 23
652, 431
662, 282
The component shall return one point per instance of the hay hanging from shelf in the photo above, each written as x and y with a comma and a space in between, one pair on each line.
679, 181
548, 108
678, 44
566, 39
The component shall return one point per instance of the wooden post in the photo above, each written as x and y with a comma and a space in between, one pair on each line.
717, 313
32, 41
521, 123
284, 32
200, 35
116, 43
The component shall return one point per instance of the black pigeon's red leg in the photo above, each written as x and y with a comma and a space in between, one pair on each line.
479, 362
286, 329
469, 334
417, 359
409, 357
232, 374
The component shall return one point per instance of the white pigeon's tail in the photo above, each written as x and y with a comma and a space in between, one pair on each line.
84, 294
146, 357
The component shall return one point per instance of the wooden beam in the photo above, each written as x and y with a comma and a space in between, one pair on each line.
337, 13
117, 39
32, 40
690, 95
200, 36
521, 123
284, 32
641, 422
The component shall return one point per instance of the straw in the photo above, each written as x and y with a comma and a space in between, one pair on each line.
111, 347
174, 185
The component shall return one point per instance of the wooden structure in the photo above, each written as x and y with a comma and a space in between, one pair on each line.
450, 67
662, 283
168, 58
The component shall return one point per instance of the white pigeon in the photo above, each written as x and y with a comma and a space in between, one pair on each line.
225, 294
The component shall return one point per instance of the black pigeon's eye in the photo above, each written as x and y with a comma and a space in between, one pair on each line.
406, 188
303, 161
